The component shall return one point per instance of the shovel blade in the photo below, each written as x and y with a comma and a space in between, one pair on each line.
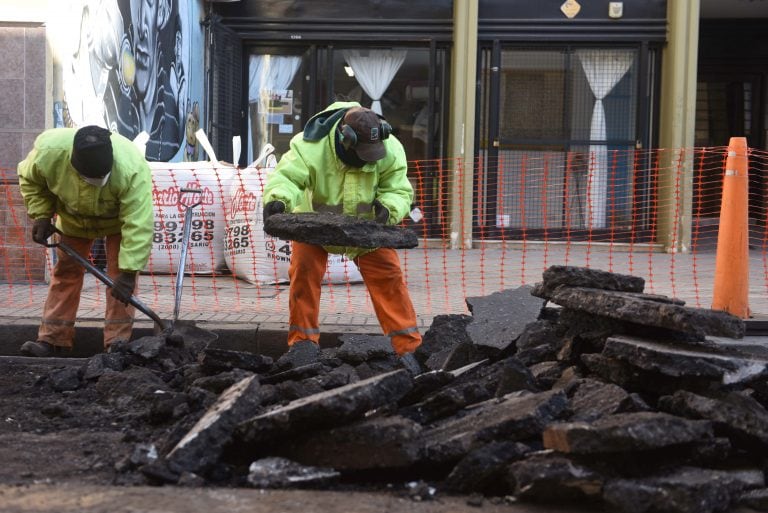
186, 333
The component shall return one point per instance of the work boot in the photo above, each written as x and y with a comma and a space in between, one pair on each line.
38, 348
409, 363
301, 352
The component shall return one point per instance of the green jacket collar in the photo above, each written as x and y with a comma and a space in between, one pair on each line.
321, 124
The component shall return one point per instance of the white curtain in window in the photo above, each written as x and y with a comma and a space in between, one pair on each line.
267, 73
604, 69
374, 71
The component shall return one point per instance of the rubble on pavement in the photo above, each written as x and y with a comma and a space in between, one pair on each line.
580, 388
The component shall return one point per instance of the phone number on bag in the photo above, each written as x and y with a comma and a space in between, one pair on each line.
236, 237
169, 232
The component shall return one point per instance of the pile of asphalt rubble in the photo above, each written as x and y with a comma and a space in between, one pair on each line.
580, 389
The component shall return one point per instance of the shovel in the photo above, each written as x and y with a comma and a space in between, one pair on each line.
194, 337
184, 249
188, 334
187, 328
106, 280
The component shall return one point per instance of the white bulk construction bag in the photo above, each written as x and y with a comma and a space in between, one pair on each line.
205, 254
206, 240
250, 253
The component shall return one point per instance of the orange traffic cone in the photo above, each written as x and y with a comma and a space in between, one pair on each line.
731, 291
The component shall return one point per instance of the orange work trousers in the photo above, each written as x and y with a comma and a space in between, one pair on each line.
60, 310
383, 278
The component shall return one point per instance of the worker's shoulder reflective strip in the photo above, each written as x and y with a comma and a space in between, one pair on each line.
308, 331
402, 332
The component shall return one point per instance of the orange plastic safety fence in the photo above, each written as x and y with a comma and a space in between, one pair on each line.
484, 225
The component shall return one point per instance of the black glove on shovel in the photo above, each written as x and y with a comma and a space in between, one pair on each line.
42, 229
122, 290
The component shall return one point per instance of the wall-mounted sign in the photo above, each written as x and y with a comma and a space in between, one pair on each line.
570, 8
615, 9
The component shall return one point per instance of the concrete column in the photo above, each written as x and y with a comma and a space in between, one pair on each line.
677, 120
461, 136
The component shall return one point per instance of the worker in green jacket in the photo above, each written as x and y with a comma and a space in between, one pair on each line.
96, 184
346, 161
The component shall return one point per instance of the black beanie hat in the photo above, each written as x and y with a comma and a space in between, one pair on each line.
92, 151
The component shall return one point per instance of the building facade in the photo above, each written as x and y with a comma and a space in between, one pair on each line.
493, 83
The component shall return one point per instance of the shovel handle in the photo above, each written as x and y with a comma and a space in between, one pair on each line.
133, 300
184, 249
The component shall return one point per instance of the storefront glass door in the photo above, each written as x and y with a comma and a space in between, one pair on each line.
558, 134
275, 89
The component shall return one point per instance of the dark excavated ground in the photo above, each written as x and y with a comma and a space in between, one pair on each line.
69, 451
579, 394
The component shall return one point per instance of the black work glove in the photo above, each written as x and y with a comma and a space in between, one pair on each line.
381, 212
122, 288
273, 207
41, 230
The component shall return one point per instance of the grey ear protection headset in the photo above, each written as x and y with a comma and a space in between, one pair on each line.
349, 136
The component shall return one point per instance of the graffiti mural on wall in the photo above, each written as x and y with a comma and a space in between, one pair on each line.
125, 64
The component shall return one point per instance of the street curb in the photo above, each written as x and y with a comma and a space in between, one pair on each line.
268, 339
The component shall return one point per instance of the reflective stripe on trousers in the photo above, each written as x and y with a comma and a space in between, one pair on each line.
63, 300
383, 278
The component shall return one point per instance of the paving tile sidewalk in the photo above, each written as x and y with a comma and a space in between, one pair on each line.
439, 281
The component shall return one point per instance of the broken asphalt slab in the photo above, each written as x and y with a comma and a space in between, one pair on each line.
625, 432
676, 361
328, 229
499, 318
327, 409
202, 445
572, 276
650, 312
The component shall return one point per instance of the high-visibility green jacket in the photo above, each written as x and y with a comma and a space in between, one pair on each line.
50, 185
311, 177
